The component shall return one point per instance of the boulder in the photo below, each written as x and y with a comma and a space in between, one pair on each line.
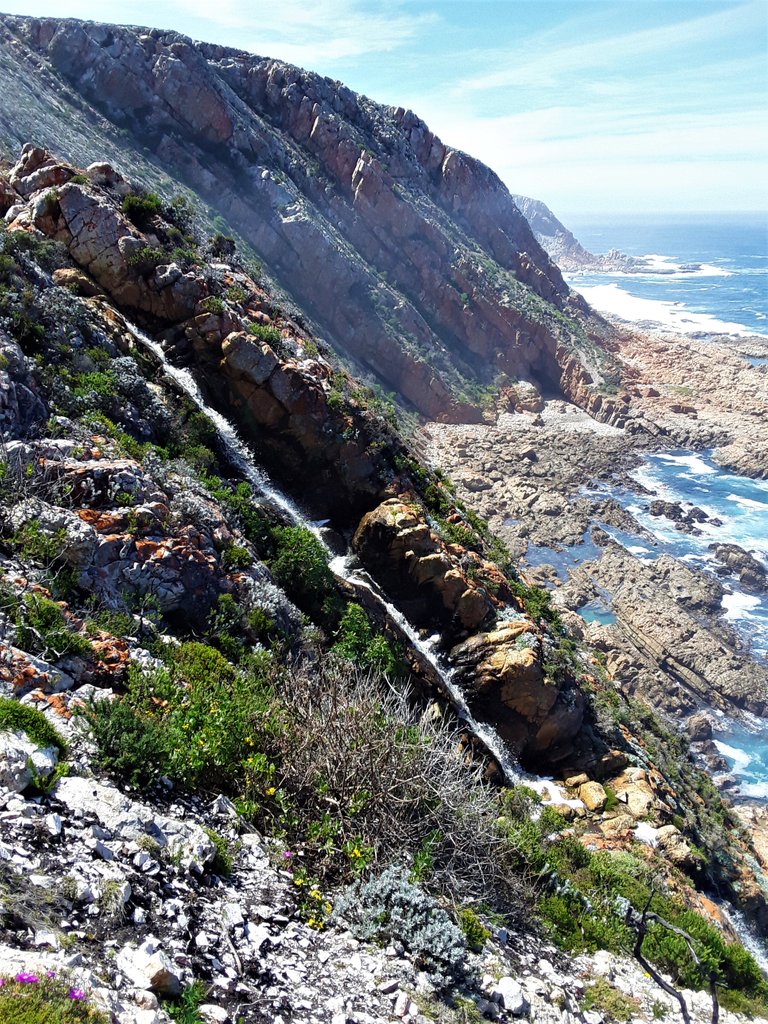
416, 567
78, 539
21, 761
508, 993
674, 846
501, 674
593, 796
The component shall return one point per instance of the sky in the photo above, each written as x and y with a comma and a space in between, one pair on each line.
593, 106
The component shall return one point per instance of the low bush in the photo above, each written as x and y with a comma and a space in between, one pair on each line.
357, 641
389, 908
15, 716
141, 209
43, 629
45, 998
270, 335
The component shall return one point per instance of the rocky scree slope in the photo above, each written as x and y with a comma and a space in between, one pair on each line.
409, 256
180, 636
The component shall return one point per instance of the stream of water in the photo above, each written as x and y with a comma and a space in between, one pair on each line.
342, 566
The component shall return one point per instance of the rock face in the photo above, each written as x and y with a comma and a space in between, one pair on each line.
415, 567
504, 681
360, 211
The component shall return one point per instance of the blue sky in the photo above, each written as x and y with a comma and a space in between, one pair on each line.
594, 106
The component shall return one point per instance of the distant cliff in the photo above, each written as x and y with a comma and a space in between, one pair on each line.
409, 257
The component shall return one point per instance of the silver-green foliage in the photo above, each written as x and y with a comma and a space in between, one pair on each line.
390, 908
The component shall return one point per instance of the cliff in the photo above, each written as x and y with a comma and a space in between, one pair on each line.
410, 257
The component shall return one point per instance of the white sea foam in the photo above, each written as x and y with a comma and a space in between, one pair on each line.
670, 316
746, 502
741, 759
736, 605
693, 462
754, 790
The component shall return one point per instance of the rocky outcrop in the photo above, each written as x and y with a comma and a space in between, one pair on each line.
751, 572
502, 675
362, 213
428, 579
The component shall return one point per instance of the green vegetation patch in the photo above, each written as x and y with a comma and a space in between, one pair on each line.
44, 998
16, 717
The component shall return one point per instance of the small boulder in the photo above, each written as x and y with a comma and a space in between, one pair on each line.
21, 761
508, 992
148, 967
593, 796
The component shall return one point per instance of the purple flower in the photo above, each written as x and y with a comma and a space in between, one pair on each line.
50, 974
287, 854
27, 979
76, 993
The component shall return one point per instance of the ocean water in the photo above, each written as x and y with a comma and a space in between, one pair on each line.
728, 294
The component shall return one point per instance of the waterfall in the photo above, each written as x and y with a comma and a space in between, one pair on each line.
343, 568
238, 452
241, 456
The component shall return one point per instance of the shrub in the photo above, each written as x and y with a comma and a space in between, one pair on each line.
213, 304
300, 566
15, 716
146, 258
264, 332
141, 209
357, 641
610, 1001
130, 743
389, 908
43, 629
236, 557
27, 998
224, 857
194, 718
185, 1010
475, 932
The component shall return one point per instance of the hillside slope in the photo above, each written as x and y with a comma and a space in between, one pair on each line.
409, 256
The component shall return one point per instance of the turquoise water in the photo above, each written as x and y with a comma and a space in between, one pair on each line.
596, 611
731, 286
744, 745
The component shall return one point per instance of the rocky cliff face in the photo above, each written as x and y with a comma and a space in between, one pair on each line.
411, 257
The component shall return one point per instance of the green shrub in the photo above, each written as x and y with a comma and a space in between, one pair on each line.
146, 258
185, 1009
15, 716
357, 641
130, 743
300, 566
610, 1001
33, 544
266, 333
43, 629
224, 858
475, 932
213, 304
141, 209
28, 998
236, 557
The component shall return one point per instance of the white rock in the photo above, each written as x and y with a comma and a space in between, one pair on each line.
149, 967
214, 1014
21, 760
509, 994
53, 824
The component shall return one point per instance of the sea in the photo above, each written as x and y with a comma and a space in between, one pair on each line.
726, 294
